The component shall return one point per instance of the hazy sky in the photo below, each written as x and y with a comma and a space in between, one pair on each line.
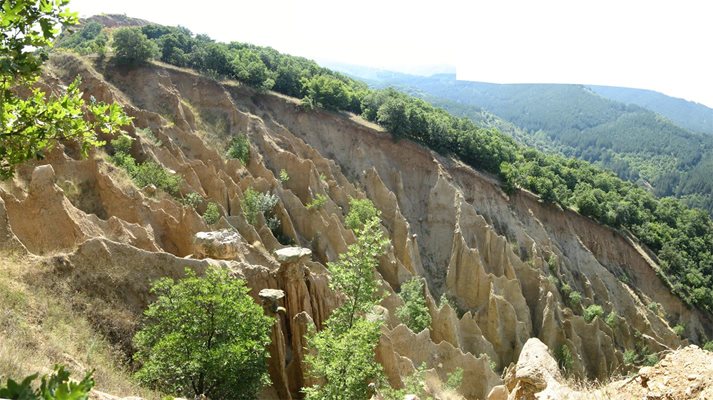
650, 44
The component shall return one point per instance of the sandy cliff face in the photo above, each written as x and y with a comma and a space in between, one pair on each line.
501, 260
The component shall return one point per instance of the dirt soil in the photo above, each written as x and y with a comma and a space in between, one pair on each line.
682, 374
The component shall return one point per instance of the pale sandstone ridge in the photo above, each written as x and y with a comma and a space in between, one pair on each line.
497, 258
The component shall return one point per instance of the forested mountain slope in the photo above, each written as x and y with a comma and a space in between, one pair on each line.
634, 142
686, 114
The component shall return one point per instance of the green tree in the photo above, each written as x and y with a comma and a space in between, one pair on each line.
342, 356
132, 47
392, 116
32, 125
249, 68
353, 274
414, 312
89, 39
210, 57
345, 361
328, 92
360, 211
204, 335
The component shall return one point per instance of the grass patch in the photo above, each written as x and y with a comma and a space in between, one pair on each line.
38, 329
564, 358
145, 173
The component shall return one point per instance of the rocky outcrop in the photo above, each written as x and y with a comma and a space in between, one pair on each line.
221, 245
8, 240
418, 349
504, 263
292, 255
536, 371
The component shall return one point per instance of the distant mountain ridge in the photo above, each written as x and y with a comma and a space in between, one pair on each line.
687, 114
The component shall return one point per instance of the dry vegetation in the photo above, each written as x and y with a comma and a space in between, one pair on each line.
39, 328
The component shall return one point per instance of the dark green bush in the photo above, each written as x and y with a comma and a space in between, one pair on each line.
239, 148
132, 47
211, 214
564, 358
89, 39
593, 311
414, 313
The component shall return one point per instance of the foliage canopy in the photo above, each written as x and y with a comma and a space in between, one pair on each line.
343, 352
414, 313
31, 125
239, 148
56, 386
204, 335
132, 47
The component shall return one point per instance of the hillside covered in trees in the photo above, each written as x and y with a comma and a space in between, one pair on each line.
637, 144
682, 237
686, 114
